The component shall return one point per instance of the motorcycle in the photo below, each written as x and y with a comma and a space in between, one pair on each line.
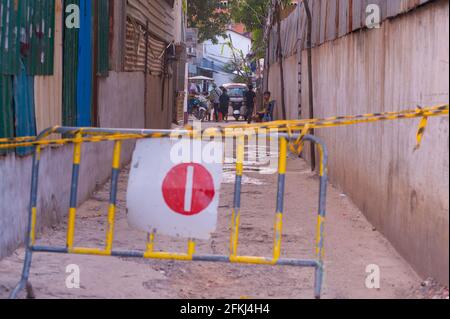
198, 106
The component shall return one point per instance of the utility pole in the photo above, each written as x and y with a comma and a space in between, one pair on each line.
280, 57
267, 38
310, 78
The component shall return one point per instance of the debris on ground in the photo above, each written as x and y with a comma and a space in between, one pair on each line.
431, 289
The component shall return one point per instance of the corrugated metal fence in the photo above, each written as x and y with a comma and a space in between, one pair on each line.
332, 19
6, 111
43, 80
158, 13
9, 44
26, 50
103, 32
48, 89
48, 71
70, 67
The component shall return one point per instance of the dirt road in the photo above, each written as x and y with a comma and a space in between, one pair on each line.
351, 245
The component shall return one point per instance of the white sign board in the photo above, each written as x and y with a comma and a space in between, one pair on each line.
171, 194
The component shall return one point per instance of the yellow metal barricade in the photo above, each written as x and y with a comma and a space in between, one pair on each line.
86, 135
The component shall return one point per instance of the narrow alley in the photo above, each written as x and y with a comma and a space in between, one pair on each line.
201, 151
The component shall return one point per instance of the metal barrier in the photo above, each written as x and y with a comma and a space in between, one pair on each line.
84, 135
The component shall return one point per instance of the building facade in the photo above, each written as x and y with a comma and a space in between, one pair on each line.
214, 59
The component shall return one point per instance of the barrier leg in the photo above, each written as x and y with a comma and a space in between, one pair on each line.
318, 281
73, 192
319, 273
150, 243
31, 231
235, 219
280, 199
113, 196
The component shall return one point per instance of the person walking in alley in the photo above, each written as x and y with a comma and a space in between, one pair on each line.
215, 100
224, 104
250, 100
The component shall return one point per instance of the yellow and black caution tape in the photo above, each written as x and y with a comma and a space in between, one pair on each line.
17, 139
297, 125
421, 131
305, 126
297, 146
291, 127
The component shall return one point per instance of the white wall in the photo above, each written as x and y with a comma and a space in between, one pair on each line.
221, 52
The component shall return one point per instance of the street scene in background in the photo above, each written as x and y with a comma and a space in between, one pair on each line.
248, 150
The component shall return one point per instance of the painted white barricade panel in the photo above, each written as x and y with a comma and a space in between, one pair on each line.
171, 193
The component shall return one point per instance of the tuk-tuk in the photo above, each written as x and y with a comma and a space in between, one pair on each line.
236, 91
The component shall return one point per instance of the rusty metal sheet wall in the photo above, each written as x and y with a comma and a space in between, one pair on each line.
156, 56
70, 73
344, 17
103, 24
292, 29
48, 89
332, 19
135, 50
9, 44
160, 99
159, 14
37, 28
316, 8
401, 65
26, 31
329, 12
6, 106
134, 47
24, 110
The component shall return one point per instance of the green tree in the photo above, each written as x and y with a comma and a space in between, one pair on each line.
240, 63
253, 14
209, 18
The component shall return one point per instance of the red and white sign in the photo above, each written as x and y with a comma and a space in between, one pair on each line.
171, 197
188, 189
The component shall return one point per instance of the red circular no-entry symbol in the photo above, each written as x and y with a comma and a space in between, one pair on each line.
188, 189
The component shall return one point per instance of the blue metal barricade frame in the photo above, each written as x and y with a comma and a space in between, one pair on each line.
82, 135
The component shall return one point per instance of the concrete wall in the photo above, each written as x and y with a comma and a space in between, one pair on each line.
403, 193
121, 105
291, 87
121, 100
